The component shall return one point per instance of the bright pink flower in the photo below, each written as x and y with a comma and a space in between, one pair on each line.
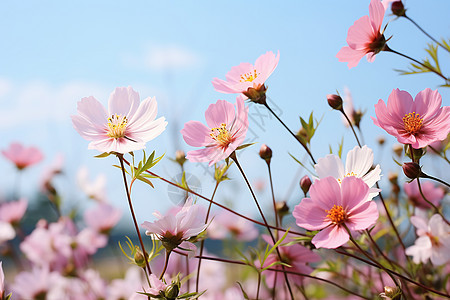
418, 122
102, 217
12, 212
364, 37
126, 126
22, 157
172, 229
297, 256
246, 75
225, 132
432, 193
331, 206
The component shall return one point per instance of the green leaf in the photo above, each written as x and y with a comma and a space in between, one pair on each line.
143, 179
243, 292
104, 154
300, 163
244, 146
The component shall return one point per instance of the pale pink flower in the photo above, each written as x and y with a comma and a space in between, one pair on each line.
331, 206
7, 232
226, 223
94, 189
225, 132
432, 193
35, 284
358, 163
103, 217
297, 256
364, 37
125, 288
418, 122
22, 156
433, 241
126, 126
244, 76
156, 285
55, 168
172, 229
12, 212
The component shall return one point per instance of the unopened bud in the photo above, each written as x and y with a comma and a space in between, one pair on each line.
305, 184
139, 258
392, 293
180, 157
412, 170
398, 150
357, 116
172, 291
381, 140
265, 152
282, 208
256, 94
398, 8
335, 101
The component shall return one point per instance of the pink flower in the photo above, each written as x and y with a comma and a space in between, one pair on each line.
103, 217
157, 285
227, 223
432, 193
364, 37
297, 256
433, 241
240, 78
332, 206
173, 229
126, 126
7, 232
21, 156
225, 132
12, 212
418, 122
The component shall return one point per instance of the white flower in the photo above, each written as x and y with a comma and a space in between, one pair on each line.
358, 164
94, 189
433, 241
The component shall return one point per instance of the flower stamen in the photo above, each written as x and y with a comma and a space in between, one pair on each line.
117, 125
221, 135
337, 214
250, 76
413, 122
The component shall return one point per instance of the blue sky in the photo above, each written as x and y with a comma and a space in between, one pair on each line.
54, 53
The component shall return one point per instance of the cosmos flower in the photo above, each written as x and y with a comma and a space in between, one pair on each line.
174, 229
247, 76
22, 156
358, 164
126, 126
418, 122
102, 217
225, 132
12, 212
226, 223
364, 37
332, 207
433, 241
432, 193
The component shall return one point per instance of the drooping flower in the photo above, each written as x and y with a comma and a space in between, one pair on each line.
364, 37
418, 122
126, 126
433, 241
431, 192
22, 156
297, 256
331, 206
12, 212
247, 79
225, 132
174, 229
358, 164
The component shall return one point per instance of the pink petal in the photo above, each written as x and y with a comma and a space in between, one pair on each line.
363, 216
93, 111
123, 101
220, 112
331, 237
376, 13
330, 165
354, 191
352, 56
326, 192
309, 215
399, 103
266, 64
427, 103
196, 134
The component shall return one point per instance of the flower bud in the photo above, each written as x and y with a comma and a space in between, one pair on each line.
172, 291
412, 170
392, 293
180, 157
357, 116
335, 101
282, 208
398, 8
256, 94
398, 150
139, 258
381, 140
305, 184
265, 153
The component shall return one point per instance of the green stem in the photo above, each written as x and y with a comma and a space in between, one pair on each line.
431, 203
438, 153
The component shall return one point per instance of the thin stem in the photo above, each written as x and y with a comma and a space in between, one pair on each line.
438, 153
277, 224
351, 126
435, 179
166, 263
293, 134
130, 204
387, 49
218, 204
431, 203
234, 158
203, 241
259, 286
420, 28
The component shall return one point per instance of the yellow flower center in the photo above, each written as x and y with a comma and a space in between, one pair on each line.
250, 76
117, 125
337, 214
221, 135
347, 175
413, 122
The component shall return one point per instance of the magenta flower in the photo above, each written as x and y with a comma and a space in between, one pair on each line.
22, 156
364, 37
432, 193
240, 78
418, 122
225, 132
332, 207
173, 229
126, 126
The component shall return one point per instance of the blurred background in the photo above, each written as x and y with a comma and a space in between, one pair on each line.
54, 53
